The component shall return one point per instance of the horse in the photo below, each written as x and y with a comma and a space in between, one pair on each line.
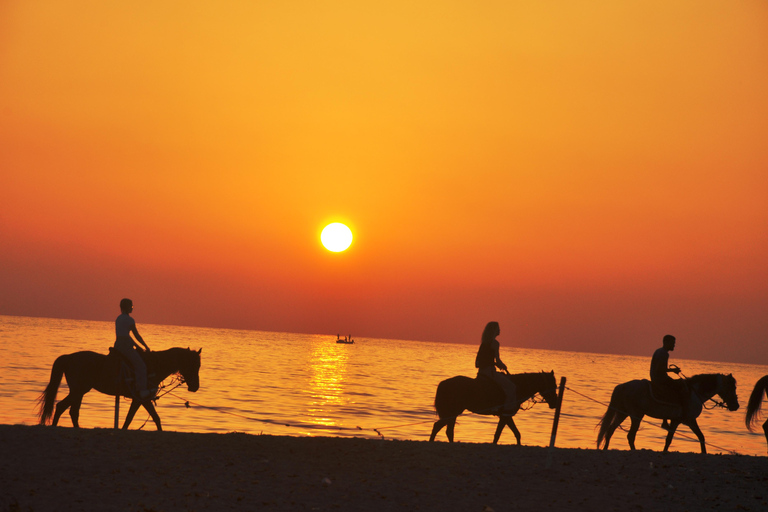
88, 370
482, 396
634, 399
753, 406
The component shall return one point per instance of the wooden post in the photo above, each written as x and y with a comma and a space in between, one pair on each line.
556, 421
117, 410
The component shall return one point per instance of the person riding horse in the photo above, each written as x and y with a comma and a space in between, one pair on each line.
664, 386
124, 326
487, 360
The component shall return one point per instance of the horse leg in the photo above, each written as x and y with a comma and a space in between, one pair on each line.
633, 430
673, 424
131, 413
618, 420
60, 408
437, 427
449, 429
510, 422
694, 426
152, 412
74, 410
499, 429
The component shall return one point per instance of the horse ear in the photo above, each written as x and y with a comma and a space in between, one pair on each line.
200, 351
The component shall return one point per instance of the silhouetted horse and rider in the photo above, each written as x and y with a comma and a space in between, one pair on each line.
491, 392
106, 373
680, 401
482, 396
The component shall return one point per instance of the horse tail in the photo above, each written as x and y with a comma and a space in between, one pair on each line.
609, 418
755, 401
48, 397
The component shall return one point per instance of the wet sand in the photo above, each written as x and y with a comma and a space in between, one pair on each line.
47, 469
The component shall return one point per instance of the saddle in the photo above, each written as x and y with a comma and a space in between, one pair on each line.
662, 397
126, 377
492, 390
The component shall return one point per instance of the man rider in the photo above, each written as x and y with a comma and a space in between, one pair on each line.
663, 385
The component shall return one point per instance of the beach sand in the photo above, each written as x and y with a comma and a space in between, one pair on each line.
61, 468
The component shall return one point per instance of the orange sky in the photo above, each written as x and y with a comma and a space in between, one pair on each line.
593, 175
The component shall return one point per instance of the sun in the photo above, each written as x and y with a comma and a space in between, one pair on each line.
336, 237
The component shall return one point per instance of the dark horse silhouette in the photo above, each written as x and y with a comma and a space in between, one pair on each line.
482, 396
88, 370
753, 406
634, 399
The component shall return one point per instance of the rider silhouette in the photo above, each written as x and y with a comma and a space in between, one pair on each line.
487, 360
124, 326
663, 385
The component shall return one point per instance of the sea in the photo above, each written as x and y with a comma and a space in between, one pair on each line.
289, 384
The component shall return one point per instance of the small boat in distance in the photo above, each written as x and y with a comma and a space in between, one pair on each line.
346, 340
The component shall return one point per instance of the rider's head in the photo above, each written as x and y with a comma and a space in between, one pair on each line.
669, 342
491, 331
126, 305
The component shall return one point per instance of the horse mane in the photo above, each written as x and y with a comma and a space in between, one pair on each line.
705, 379
530, 374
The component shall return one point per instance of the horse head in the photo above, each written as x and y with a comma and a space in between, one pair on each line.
549, 391
726, 389
189, 368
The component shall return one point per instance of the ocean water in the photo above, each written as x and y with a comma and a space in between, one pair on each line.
308, 385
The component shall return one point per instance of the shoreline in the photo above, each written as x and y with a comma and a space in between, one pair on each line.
61, 468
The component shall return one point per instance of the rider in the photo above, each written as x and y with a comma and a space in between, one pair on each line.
663, 384
488, 360
124, 326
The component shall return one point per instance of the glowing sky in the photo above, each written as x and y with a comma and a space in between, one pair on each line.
592, 175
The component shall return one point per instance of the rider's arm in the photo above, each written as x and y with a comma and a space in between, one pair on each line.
499, 363
135, 332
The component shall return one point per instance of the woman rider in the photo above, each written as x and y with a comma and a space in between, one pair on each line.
488, 360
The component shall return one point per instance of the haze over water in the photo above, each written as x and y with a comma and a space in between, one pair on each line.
298, 384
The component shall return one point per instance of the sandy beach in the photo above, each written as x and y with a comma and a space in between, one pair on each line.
47, 468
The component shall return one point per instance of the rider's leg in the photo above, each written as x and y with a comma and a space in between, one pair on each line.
139, 370
510, 393
681, 387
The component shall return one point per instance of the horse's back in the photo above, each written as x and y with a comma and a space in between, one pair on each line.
636, 385
453, 395
454, 384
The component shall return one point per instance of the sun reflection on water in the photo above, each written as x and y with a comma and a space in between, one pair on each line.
328, 368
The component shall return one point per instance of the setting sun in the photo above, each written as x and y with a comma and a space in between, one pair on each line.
336, 237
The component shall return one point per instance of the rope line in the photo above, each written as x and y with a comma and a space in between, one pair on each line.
179, 381
377, 430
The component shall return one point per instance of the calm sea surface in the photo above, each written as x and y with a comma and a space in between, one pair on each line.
308, 385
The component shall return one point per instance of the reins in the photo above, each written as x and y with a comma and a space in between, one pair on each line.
718, 386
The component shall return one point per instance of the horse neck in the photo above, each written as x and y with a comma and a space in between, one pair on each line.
706, 385
165, 362
527, 385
